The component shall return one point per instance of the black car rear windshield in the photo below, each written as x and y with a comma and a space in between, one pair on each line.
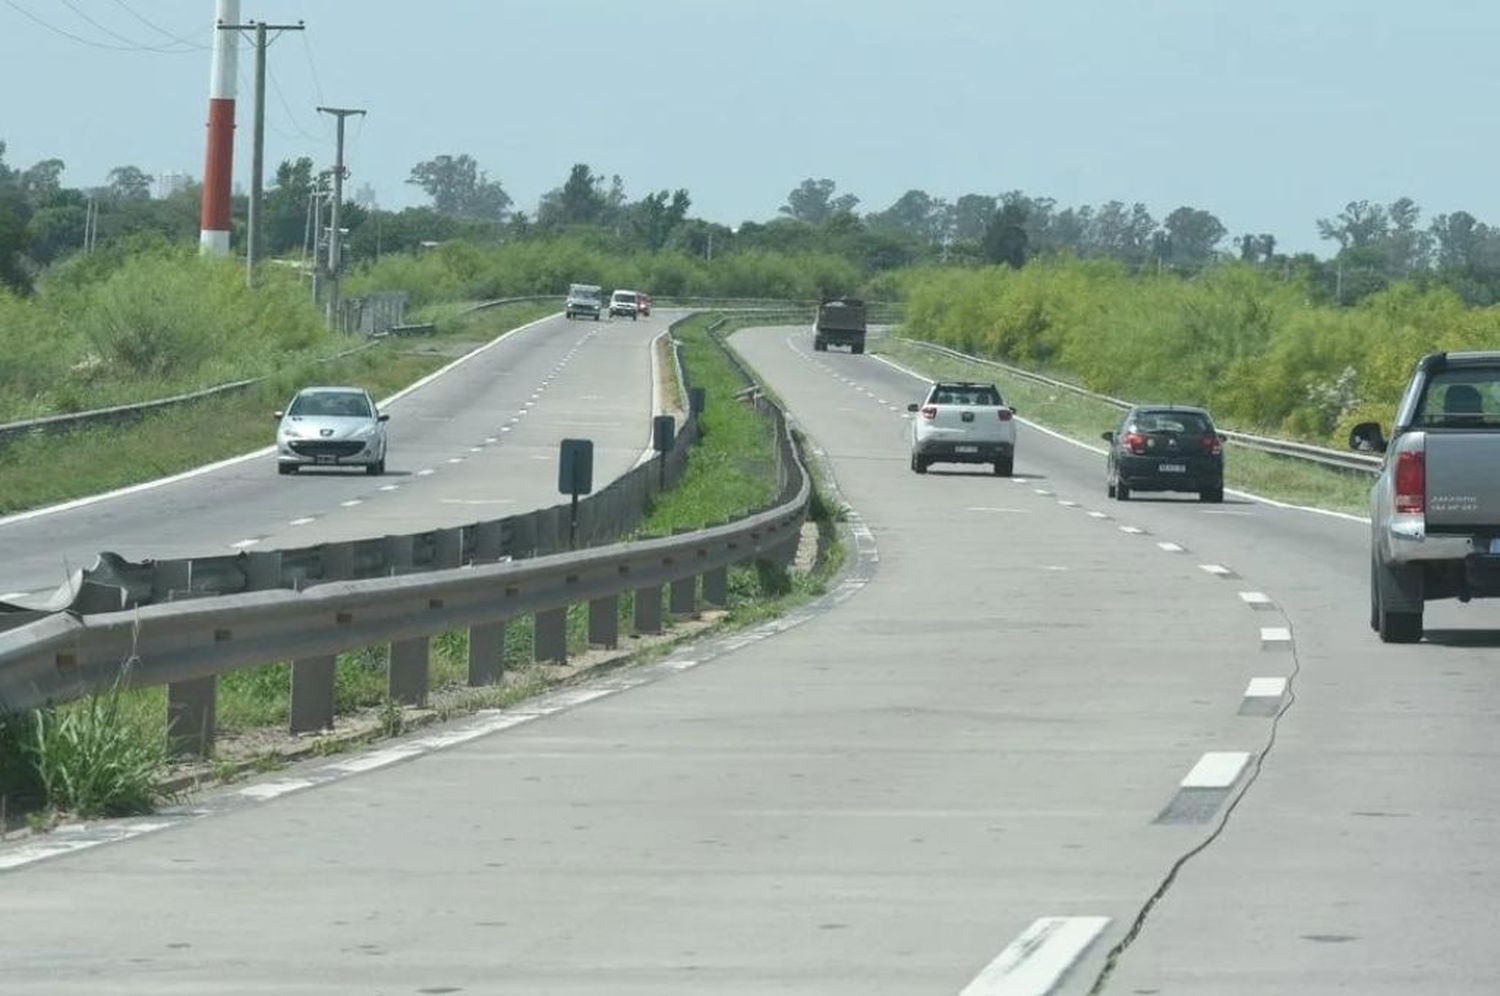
1182, 423
331, 403
1460, 397
956, 394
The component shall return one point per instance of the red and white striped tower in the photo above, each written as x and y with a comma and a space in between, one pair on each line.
218, 166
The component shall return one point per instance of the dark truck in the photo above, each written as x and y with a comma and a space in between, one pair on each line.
840, 322
1435, 508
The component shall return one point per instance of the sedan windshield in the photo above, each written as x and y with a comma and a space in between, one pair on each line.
346, 404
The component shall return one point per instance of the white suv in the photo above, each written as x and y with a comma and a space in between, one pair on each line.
623, 302
963, 422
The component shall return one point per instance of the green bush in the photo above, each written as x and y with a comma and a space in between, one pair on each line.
1241, 340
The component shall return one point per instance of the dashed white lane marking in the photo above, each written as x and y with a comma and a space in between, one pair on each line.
1044, 492
351, 502
1217, 570
388, 487
531, 404
1067, 504
998, 508
425, 472
1265, 688
1169, 546
492, 439
1133, 530
1255, 599
455, 459
520, 414
302, 521
505, 428
1034, 963
476, 449
1098, 515
1275, 637
1217, 769
245, 544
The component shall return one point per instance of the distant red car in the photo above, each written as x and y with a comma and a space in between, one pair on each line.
642, 303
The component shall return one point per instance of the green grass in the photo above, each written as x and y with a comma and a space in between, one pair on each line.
42, 470
95, 757
1084, 419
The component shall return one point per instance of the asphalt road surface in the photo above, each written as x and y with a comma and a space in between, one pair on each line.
478, 442
970, 776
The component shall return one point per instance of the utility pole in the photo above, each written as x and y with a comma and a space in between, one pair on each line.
335, 239
257, 160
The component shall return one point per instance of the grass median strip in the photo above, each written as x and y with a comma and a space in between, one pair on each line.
729, 472
1281, 478
43, 470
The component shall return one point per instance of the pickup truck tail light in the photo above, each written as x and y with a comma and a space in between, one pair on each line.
1212, 444
929, 412
1005, 414
1135, 442
1411, 482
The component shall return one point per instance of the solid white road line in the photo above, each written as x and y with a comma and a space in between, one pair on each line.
1275, 636
13, 594
270, 790
1255, 598
1265, 688
1169, 547
253, 454
1217, 570
1217, 769
1034, 963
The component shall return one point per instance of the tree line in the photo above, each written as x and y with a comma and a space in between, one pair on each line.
1372, 245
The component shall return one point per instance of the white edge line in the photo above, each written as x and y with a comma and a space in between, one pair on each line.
649, 453
209, 468
1252, 496
1034, 963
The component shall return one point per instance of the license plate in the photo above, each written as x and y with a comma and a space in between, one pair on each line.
1172, 468
966, 449
324, 460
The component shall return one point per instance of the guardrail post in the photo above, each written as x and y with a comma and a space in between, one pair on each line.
550, 642
648, 609
450, 549
684, 596
398, 554
489, 538
716, 586
312, 694
338, 561
170, 578
604, 622
486, 654
406, 678
262, 570
192, 716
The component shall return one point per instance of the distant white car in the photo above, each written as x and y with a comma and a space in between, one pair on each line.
622, 303
963, 422
331, 427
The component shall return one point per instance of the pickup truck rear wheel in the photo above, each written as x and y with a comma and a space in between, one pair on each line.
1398, 603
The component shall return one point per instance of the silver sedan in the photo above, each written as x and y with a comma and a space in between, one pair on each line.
331, 427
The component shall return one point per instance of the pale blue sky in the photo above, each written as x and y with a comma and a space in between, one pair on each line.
1269, 113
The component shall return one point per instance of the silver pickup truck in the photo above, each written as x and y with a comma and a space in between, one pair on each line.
1435, 509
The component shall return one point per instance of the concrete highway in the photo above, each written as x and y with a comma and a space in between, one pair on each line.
973, 775
478, 442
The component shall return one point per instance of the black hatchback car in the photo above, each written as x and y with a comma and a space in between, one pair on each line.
1166, 448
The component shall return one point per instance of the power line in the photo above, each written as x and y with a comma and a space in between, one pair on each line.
133, 47
158, 28
313, 69
291, 114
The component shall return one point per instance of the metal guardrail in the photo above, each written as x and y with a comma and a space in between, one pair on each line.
186, 643
1357, 462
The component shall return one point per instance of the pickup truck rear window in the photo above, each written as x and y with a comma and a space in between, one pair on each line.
1460, 398
966, 396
